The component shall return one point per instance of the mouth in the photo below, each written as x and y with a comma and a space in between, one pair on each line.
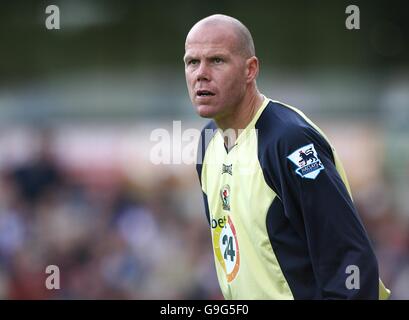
204, 93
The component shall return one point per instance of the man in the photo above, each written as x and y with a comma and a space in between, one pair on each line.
282, 219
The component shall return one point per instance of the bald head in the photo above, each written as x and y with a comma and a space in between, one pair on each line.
243, 40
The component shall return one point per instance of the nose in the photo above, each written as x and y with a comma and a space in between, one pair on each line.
203, 72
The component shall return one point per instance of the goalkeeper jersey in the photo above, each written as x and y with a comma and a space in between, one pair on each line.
282, 220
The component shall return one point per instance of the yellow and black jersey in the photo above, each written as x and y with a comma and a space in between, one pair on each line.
282, 220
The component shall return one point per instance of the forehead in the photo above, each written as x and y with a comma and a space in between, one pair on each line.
210, 39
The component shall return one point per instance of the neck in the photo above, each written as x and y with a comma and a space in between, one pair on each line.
240, 118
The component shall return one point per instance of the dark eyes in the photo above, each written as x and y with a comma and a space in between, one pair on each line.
215, 60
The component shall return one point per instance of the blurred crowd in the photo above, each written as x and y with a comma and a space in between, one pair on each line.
114, 239
109, 239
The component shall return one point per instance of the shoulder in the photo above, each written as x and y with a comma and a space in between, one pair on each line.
206, 136
281, 129
211, 125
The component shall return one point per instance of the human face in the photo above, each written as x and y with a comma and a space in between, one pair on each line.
215, 71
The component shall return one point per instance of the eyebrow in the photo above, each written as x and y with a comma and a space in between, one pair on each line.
186, 57
210, 56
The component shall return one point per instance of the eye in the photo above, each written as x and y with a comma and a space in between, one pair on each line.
217, 60
193, 62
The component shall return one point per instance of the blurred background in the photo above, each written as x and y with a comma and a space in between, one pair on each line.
78, 106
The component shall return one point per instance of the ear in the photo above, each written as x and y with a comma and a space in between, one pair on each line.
252, 68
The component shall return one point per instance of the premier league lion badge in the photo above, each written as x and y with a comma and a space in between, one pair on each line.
307, 162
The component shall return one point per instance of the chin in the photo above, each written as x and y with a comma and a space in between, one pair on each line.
206, 111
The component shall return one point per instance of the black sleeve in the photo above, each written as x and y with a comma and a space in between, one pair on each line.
205, 136
316, 201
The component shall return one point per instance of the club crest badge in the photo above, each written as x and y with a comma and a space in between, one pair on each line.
225, 195
307, 162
